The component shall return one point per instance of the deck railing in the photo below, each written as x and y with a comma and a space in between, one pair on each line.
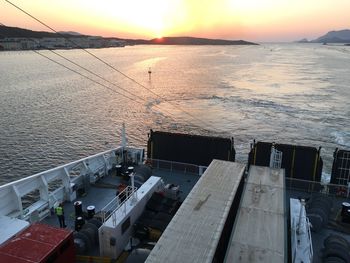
311, 187
118, 202
294, 239
58, 184
311, 249
176, 166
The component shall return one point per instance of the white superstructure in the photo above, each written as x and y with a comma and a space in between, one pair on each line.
116, 231
59, 184
301, 243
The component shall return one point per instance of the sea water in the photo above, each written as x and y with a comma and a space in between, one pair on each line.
286, 93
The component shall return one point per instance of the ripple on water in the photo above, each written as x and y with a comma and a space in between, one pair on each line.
49, 116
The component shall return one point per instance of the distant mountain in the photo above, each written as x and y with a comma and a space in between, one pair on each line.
70, 33
304, 40
341, 36
196, 41
15, 32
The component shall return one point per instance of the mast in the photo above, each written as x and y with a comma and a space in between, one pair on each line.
124, 140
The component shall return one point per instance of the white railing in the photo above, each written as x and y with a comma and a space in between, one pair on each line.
295, 245
177, 166
311, 249
344, 170
301, 242
275, 158
118, 202
294, 240
67, 178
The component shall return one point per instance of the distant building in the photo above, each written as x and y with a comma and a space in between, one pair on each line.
116, 43
59, 43
78, 42
53, 43
29, 44
10, 44
96, 42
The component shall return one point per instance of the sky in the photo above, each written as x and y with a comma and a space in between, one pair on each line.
252, 20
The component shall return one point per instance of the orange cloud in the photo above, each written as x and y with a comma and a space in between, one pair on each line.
255, 20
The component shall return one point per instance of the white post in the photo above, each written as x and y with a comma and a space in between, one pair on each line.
272, 156
133, 197
302, 205
18, 200
114, 219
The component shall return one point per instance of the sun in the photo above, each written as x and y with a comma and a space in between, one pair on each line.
149, 16
159, 40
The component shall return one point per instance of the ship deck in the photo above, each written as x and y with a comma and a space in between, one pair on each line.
103, 191
197, 231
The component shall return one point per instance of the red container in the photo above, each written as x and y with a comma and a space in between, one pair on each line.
39, 243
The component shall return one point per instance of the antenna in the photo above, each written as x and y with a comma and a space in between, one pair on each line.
123, 143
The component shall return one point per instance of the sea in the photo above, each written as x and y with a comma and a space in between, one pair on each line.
53, 112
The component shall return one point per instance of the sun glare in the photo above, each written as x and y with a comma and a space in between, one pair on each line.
149, 16
159, 18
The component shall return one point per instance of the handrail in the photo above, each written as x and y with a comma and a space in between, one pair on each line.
301, 242
176, 166
68, 165
309, 236
329, 189
116, 203
76, 174
294, 238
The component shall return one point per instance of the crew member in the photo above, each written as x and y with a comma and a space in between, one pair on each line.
60, 214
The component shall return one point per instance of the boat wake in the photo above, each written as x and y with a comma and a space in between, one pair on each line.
342, 138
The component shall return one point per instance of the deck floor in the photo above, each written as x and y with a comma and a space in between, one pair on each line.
259, 231
100, 196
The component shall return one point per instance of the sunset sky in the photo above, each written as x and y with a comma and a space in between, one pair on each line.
253, 20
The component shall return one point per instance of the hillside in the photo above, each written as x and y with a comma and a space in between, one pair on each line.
341, 36
15, 32
196, 41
